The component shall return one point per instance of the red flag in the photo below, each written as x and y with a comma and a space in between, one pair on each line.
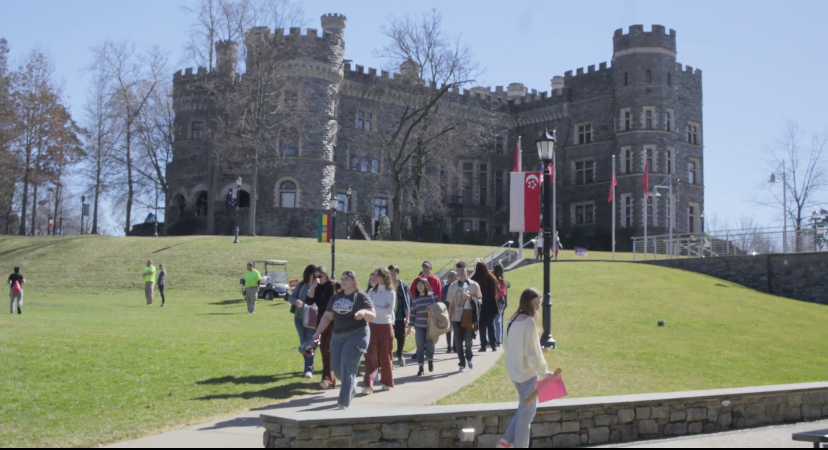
518, 158
613, 184
647, 179
552, 171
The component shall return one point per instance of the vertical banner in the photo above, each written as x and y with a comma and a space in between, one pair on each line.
524, 202
323, 233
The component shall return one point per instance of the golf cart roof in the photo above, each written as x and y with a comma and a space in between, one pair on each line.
270, 261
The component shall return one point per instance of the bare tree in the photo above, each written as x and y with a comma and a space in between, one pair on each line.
424, 126
9, 170
132, 80
805, 174
155, 130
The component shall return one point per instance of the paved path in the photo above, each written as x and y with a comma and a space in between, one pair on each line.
245, 431
769, 437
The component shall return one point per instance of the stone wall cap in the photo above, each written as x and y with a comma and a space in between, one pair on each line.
390, 415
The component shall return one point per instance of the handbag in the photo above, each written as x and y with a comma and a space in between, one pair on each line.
467, 323
310, 316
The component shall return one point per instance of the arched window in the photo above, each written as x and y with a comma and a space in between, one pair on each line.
289, 141
180, 204
201, 204
648, 76
287, 194
626, 78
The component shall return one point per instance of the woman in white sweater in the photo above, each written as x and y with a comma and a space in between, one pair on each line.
525, 365
381, 345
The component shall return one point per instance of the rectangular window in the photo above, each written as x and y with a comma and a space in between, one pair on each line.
468, 183
671, 157
584, 213
483, 181
627, 120
628, 160
669, 121
499, 191
650, 159
343, 205
584, 172
364, 120
500, 145
693, 172
648, 120
291, 100
691, 219
380, 208
197, 130
627, 211
375, 162
354, 163
693, 134
650, 212
467, 226
585, 133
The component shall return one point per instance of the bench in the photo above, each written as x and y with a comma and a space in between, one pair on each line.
817, 437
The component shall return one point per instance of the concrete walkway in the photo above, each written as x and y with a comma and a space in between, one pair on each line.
768, 437
245, 431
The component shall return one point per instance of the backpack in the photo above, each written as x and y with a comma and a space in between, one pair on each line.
439, 322
16, 289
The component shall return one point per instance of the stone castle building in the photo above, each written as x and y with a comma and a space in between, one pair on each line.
644, 107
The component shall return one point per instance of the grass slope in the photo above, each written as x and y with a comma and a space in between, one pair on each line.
718, 334
89, 363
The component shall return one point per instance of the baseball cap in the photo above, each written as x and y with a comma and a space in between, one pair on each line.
427, 264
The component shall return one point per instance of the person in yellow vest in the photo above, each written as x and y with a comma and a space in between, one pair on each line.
251, 287
149, 282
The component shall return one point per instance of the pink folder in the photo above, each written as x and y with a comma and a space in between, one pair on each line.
551, 390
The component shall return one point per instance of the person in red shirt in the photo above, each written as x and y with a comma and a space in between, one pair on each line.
433, 282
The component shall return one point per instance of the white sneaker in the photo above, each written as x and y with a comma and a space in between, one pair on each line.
308, 375
384, 388
463, 370
325, 385
343, 408
471, 365
367, 391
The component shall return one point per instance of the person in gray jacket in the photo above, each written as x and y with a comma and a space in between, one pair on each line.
297, 302
464, 295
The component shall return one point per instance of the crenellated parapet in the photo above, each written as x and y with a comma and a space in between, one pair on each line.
637, 38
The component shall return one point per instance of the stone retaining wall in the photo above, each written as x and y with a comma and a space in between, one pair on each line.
563, 423
798, 276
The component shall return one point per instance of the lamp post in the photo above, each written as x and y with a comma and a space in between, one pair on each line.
157, 188
83, 211
671, 203
775, 180
815, 218
546, 152
237, 198
334, 204
348, 215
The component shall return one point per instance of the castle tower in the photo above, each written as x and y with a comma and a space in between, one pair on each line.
226, 54
647, 114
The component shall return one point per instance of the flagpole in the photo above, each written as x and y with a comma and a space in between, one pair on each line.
645, 204
519, 168
612, 182
554, 206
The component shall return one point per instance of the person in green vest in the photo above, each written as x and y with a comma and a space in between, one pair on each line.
251, 287
149, 282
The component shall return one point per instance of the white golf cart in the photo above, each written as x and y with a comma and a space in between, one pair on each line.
274, 282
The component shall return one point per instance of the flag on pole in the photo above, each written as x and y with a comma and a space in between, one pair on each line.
324, 228
524, 202
518, 157
613, 184
551, 171
647, 179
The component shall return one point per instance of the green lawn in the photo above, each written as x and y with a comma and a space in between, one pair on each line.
718, 334
89, 363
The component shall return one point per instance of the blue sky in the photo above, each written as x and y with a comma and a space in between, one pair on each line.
764, 62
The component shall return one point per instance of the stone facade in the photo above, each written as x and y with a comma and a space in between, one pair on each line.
569, 423
798, 276
644, 100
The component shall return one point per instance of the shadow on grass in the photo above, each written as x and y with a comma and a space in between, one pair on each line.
222, 314
227, 302
275, 393
252, 379
32, 247
167, 248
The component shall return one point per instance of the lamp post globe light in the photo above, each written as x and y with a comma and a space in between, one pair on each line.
348, 214
334, 205
546, 152
237, 198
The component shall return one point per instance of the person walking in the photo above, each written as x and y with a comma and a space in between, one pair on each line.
16, 282
503, 286
149, 282
297, 304
539, 247
320, 294
420, 313
349, 313
451, 278
401, 312
525, 365
251, 287
434, 284
464, 312
488, 311
162, 283
381, 345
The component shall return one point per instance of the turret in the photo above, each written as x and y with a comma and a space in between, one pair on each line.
226, 54
334, 24
639, 41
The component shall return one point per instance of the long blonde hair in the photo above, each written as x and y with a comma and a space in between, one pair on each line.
526, 306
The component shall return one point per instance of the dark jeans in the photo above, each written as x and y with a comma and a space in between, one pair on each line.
463, 343
305, 335
487, 332
399, 334
161, 290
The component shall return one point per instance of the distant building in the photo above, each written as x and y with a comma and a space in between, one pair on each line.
645, 107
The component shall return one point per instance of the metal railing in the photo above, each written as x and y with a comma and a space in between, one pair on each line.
760, 241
